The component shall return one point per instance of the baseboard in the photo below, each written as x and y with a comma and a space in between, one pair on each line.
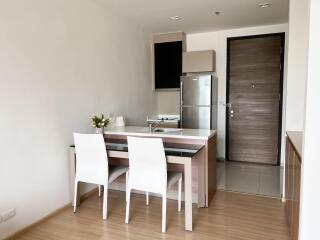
88, 194
52, 214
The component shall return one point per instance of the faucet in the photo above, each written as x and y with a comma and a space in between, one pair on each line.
151, 128
153, 125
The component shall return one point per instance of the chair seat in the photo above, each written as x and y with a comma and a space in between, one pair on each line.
116, 171
172, 178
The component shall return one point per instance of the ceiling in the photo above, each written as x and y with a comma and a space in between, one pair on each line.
199, 15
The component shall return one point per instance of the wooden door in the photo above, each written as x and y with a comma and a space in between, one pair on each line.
254, 91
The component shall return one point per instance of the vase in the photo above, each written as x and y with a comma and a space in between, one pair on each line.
100, 130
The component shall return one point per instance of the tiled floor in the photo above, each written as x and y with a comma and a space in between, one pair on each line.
249, 178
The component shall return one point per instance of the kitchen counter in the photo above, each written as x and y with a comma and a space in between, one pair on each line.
292, 180
295, 138
205, 177
201, 134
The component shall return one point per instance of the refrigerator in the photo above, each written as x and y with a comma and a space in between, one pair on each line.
198, 101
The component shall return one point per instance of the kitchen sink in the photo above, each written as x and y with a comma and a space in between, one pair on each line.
167, 130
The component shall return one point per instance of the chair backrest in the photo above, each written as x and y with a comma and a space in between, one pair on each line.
91, 158
147, 165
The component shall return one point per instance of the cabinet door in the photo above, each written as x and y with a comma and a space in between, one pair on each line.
296, 198
167, 65
291, 187
290, 183
199, 61
292, 191
287, 177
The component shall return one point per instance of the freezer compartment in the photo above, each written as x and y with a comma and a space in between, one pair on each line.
196, 117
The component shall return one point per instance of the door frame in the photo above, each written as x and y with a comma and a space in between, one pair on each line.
282, 54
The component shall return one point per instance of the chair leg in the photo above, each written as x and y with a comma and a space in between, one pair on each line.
164, 212
179, 194
127, 177
99, 190
105, 202
128, 206
147, 198
75, 195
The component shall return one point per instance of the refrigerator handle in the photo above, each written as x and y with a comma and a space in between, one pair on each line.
181, 118
181, 92
181, 103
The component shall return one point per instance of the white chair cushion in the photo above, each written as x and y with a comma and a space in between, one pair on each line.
116, 171
172, 178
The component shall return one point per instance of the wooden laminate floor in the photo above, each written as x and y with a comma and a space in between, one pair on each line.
231, 216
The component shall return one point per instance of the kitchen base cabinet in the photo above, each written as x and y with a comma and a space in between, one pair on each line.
292, 181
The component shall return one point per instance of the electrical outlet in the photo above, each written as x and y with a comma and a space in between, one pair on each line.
6, 215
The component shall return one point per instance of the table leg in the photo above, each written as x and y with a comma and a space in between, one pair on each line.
188, 194
200, 160
72, 159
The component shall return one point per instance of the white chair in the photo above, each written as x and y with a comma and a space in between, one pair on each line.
148, 172
92, 165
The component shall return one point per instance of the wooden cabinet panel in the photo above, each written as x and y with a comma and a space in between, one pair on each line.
292, 188
296, 197
288, 177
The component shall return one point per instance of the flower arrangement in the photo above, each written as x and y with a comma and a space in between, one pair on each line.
100, 122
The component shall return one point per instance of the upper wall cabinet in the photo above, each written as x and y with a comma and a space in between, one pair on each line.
167, 56
168, 65
199, 61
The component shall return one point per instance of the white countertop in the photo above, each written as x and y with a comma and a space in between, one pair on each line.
144, 131
296, 139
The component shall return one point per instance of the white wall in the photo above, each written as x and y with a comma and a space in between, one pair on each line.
297, 64
218, 42
296, 69
168, 102
60, 63
310, 191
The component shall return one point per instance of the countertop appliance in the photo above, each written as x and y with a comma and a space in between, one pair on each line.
198, 101
120, 121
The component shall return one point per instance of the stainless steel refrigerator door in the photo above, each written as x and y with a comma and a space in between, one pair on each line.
196, 117
196, 90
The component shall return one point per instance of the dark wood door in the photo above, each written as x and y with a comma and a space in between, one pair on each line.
254, 91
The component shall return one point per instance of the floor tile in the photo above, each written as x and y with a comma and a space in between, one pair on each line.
249, 178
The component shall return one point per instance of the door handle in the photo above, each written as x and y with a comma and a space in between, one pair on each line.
227, 105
